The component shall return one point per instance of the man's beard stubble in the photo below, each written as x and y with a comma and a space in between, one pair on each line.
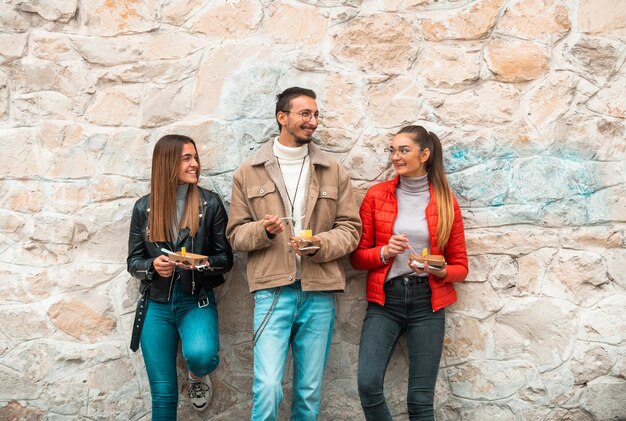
303, 140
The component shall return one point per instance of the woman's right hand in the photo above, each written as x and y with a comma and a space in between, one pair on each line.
163, 266
398, 243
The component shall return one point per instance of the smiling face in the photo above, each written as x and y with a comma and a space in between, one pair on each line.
295, 130
189, 165
408, 158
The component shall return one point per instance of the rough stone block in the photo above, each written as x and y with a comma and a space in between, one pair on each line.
107, 18
299, 25
477, 300
12, 46
602, 17
177, 12
79, 320
379, 43
586, 289
31, 109
114, 107
449, 66
218, 68
604, 398
591, 361
489, 104
164, 104
473, 21
15, 385
394, 102
603, 323
15, 411
490, 380
466, 339
552, 99
606, 102
594, 57
516, 60
224, 20
16, 144
521, 332
54, 10
367, 162
536, 19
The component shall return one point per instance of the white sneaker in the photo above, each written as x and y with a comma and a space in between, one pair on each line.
200, 393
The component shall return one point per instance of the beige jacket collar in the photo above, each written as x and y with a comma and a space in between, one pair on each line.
266, 153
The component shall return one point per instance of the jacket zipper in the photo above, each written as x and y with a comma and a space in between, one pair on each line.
169, 294
193, 280
193, 273
429, 275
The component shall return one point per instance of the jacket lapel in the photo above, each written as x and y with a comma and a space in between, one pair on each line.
313, 190
184, 233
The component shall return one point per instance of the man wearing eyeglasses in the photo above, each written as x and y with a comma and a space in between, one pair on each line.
288, 186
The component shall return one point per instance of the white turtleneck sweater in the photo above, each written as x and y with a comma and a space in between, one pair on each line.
294, 165
413, 196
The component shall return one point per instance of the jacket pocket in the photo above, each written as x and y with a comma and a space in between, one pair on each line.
261, 190
264, 294
263, 199
328, 192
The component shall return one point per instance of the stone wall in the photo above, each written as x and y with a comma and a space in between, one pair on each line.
529, 97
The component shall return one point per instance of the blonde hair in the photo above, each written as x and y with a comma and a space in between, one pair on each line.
166, 160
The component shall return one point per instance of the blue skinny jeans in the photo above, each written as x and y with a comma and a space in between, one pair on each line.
407, 309
165, 323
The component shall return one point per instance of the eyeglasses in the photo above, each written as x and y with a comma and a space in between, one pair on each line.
402, 151
306, 115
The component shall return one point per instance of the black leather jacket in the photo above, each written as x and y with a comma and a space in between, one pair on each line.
210, 241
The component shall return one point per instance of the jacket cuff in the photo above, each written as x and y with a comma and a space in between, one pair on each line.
264, 238
149, 270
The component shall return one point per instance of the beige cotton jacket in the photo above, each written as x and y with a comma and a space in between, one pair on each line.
331, 213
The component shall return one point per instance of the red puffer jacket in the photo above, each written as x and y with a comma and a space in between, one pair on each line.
378, 213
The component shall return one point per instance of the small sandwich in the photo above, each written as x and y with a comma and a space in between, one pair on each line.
435, 261
306, 240
190, 259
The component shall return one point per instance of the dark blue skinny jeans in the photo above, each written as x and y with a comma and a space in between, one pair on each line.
407, 309
164, 324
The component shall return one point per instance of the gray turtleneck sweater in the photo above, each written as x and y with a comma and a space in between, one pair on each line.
413, 196
181, 196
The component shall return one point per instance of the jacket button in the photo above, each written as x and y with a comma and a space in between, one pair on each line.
261, 191
290, 277
324, 193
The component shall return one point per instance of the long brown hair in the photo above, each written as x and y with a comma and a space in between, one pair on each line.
437, 176
166, 160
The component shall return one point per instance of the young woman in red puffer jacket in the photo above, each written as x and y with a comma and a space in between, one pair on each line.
414, 211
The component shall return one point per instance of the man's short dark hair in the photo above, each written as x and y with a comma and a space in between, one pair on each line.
283, 99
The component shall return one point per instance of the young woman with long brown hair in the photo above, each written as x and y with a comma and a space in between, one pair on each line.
177, 300
412, 212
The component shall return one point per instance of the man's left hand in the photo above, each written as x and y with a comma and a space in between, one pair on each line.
296, 249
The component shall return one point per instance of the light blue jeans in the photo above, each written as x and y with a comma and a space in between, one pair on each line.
164, 324
304, 320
